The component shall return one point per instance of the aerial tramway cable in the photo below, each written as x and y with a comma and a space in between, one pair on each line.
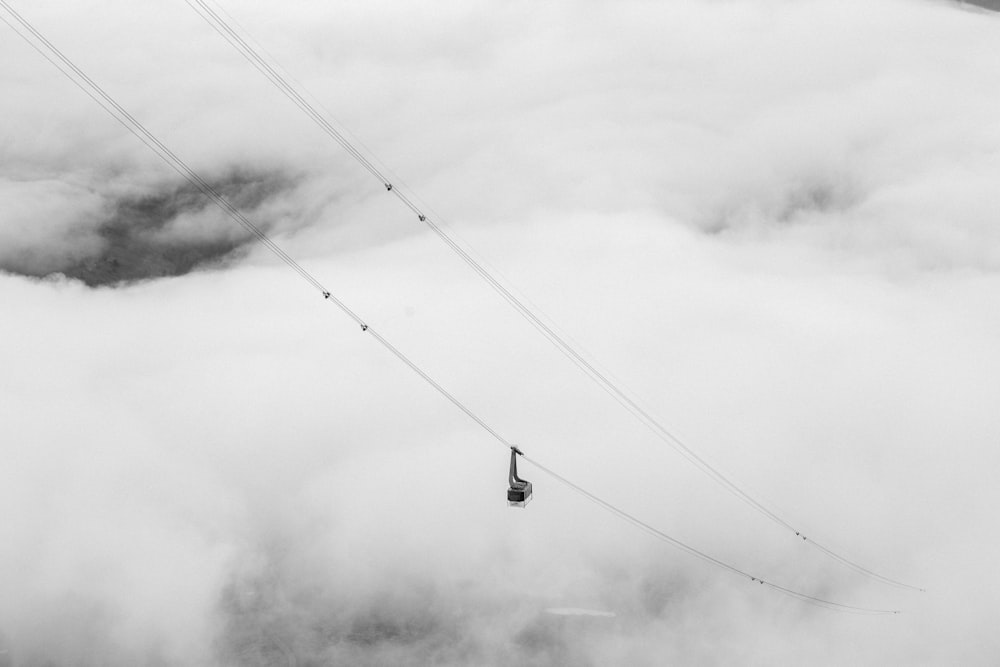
659, 534
589, 368
69, 69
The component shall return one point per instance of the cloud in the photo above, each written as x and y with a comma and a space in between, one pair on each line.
771, 219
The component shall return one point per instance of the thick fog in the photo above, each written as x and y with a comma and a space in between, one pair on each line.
775, 221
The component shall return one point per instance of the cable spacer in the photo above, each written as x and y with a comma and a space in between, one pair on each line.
326, 295
364, 327
388, 186
422, 217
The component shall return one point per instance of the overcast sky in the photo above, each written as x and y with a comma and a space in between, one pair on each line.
775, 221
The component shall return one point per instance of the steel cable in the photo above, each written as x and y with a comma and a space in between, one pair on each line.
614, 389
95, 92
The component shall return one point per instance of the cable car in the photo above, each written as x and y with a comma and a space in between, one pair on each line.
519, 492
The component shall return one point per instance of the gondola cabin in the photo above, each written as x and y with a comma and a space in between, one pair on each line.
519, 490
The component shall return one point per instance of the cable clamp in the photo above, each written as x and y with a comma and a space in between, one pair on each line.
517, 451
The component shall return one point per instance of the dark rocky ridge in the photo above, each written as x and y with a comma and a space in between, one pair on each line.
137, 242
985, 4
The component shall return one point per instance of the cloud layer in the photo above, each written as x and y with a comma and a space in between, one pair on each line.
773, 220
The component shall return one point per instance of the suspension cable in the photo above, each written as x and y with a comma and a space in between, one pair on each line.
659, 534
616, 390
99, 95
